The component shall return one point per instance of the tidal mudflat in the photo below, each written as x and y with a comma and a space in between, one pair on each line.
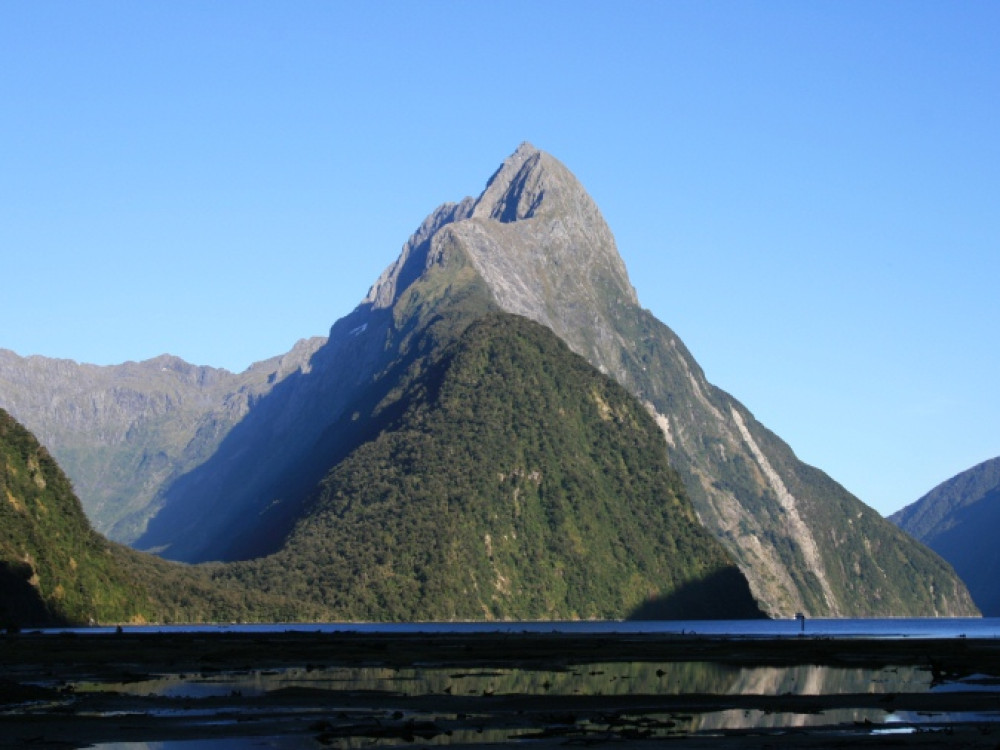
357, 689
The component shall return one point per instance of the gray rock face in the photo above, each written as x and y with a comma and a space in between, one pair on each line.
542, 246
412, 261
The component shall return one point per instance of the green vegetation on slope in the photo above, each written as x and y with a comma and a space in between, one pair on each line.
503, 477
869, 568
56, 570
869, 561
54, 567
509, 480
180, 593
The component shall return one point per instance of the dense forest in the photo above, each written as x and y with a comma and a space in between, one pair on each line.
504, 478
509, 480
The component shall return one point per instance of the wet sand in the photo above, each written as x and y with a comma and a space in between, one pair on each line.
302, 689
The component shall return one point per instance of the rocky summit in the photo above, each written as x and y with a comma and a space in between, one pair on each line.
533, 244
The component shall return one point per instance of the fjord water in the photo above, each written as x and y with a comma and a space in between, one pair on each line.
226, 696
882, 627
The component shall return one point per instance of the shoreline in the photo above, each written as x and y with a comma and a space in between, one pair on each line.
349, 647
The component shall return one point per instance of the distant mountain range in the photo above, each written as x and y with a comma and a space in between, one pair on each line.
960, 519
125, 431
200, 464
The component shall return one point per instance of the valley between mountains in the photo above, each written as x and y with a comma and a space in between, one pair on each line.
498, 430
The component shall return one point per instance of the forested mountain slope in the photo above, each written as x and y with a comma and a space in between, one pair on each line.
56, 570
960, 520
508, 479
53, 567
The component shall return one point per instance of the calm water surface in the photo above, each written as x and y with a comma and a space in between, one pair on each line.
889, 627
192, 692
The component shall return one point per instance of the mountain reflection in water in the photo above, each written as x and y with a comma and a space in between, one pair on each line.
202, 690
600, 680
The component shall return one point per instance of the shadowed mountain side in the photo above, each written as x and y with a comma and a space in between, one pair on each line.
244, 499
21, 604
960, 519
261, 466
509, 479
970, 545
715, 597
206, 513
932, 513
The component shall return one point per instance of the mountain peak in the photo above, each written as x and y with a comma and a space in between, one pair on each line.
541, 244
530, 183
537, 238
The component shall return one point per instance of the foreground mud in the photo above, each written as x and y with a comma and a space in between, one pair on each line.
299, 689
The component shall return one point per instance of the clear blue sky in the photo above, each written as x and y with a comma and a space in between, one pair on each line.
807, 193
